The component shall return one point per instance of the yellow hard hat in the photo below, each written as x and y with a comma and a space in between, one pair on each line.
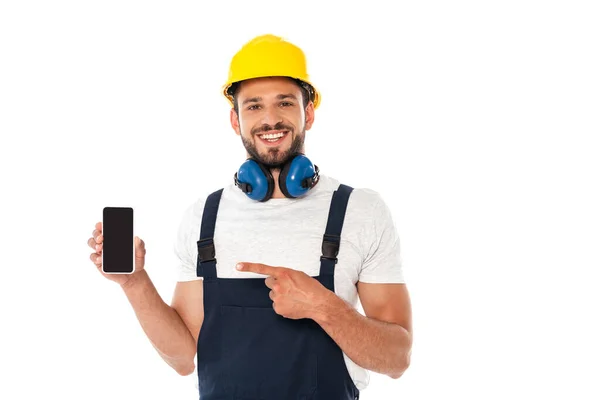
269, 55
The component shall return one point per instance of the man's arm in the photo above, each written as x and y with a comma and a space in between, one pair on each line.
381, 341
173, 331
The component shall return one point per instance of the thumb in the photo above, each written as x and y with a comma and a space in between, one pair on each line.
140, 248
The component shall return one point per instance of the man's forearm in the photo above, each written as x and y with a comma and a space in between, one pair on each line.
161, 323
375, 345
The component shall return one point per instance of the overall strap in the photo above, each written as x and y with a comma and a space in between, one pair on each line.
207, 263
333, 231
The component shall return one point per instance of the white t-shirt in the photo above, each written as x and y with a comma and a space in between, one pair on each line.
289, 233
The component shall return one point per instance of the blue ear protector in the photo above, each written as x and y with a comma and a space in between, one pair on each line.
298, 175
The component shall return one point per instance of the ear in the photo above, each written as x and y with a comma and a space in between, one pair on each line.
235, 123
309, 115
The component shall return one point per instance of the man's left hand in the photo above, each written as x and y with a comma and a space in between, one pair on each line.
295, 295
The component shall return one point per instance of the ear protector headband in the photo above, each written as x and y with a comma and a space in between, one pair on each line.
298, 175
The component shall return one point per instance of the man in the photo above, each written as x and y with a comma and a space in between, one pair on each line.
272, 264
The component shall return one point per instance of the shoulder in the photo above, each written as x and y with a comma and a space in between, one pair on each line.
365, 205
368, 197
363, 198
195, 208
359, 194
192, 213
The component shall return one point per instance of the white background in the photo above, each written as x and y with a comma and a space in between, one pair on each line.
477, 121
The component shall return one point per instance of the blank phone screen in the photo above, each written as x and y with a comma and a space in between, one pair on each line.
118, 247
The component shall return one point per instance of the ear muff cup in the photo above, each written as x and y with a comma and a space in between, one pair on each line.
294, 174
259, 178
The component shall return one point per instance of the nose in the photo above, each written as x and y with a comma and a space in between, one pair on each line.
271, 116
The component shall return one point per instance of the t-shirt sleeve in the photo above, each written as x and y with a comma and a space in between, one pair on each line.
184, 246
382, 263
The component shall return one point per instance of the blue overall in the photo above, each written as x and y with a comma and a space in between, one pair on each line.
246, 351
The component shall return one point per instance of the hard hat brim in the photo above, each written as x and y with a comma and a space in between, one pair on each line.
316, 100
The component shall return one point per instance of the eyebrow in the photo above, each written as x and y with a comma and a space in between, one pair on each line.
252, 100
286, 96
279, 97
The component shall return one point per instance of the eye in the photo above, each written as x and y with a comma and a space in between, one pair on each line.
254, 107
287, 104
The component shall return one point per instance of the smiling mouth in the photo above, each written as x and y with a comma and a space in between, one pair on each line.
273, 137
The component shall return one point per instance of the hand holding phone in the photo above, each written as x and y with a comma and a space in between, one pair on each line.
118, 253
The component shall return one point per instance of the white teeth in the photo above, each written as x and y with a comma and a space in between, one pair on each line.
272, 135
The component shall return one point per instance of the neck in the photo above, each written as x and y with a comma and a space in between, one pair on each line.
277, 193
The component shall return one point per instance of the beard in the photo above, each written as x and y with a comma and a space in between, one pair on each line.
275, 158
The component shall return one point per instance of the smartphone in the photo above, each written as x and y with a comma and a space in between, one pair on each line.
118, 249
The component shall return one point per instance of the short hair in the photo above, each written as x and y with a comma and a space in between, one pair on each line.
308, 92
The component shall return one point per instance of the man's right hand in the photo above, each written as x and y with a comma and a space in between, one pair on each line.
95, 242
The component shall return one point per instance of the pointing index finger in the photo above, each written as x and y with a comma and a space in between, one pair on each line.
258, 268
